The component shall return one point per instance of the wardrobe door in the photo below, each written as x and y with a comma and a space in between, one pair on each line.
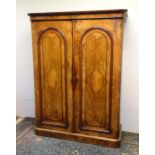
52, 47
97, 75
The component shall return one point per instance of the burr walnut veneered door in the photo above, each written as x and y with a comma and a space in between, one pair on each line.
52, 44
97, 72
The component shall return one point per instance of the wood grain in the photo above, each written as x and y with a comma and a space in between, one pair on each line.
77, 72
52, 46
97, 14
52, 52
95, 69
95, 78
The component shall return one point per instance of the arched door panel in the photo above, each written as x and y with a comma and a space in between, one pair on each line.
93, 69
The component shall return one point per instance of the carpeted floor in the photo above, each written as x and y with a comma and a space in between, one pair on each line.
30, 144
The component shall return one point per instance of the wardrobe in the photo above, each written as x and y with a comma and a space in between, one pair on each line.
77, 75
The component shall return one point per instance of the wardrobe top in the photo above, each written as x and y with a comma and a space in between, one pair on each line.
119, 13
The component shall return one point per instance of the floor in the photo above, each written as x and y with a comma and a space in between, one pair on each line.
27, 143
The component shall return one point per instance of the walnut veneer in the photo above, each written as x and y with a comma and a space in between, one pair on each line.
77, 70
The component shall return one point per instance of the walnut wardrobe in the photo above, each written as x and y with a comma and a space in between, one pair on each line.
77, 71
